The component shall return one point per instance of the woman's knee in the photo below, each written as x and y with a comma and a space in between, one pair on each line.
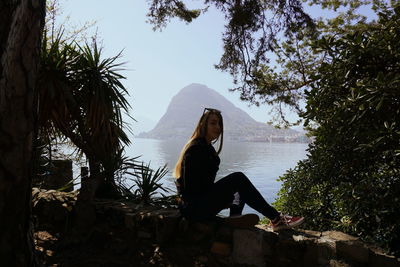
239, 177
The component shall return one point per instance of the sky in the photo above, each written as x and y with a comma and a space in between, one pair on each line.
158, 64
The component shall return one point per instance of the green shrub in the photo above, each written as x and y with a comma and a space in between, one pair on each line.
350, 180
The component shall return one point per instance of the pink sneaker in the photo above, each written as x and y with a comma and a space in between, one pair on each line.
287, 222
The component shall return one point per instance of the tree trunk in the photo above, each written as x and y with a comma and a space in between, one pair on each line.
89, 187
84, 208
21, 23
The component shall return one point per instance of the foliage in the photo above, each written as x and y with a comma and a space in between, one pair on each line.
148, 182
351, 178
261, 34
81, 94
264, 221
53, 27
161, 11
140, 182
81, 97
252, 29
125, 169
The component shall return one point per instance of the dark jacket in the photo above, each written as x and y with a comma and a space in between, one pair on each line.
199, 167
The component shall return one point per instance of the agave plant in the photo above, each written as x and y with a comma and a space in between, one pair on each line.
81, 96
124, 168
148, 183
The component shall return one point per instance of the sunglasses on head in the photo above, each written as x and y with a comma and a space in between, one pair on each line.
211, 110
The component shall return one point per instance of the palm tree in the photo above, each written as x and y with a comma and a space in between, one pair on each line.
81, 96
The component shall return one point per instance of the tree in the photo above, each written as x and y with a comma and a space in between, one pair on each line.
81, 96
21, 24
252, 30
351, 178
346, 71
260, 35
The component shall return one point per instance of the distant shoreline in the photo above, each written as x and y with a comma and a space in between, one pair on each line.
307, 141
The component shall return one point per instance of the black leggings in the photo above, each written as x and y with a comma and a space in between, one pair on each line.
232, 191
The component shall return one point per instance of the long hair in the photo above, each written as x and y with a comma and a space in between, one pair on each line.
200, 131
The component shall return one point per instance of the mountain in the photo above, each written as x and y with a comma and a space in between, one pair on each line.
142, 124
187, 106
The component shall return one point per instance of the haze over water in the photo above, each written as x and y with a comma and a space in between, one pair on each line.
263, 162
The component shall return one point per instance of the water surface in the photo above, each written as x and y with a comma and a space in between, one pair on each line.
263, 163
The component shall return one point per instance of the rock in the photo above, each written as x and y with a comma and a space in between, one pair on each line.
249, 247
353, 250
163, 223
378, 258
198, 232
224, 234
130, 220
166, 224
336, 263
337, 236
221, 248
257, 246
288, 251
144, 235
52, 209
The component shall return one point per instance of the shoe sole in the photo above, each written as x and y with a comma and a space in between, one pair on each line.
242, 221
283, 227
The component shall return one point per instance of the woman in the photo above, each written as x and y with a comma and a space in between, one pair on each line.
202, 197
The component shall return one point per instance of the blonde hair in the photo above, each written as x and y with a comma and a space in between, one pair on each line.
200, 131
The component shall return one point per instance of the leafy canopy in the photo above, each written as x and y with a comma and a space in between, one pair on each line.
351, 178
267, 44
252, 29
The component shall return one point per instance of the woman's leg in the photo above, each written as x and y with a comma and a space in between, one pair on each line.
237, 205
221, 196
238, 182
208, 206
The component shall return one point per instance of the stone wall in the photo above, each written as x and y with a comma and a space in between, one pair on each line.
51, 209
260, 246
214, 243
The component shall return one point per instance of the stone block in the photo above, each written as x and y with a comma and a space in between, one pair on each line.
312, 254
198, 232
52, 209
337, 236
144, 235
130, 220
183, 225
289, 252
318, 250
379, 259
166, 225
326, 251
224, 234
249, 247
353, 251
221, 248
270, 239
337, 263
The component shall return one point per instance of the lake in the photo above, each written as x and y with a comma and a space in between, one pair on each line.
263, 163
